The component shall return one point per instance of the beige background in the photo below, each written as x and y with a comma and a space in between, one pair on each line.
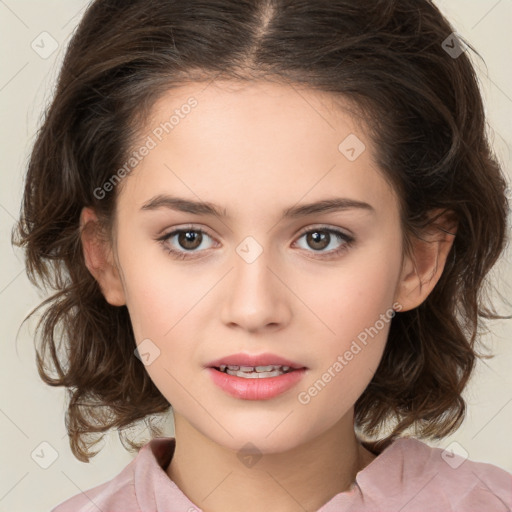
32, 413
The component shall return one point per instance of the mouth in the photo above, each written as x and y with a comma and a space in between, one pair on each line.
255, 366
255, 377
255, 372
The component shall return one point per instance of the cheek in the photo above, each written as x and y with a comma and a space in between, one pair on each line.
161, 305
164, 302
355, 308
358, 312
159, 293
353, 296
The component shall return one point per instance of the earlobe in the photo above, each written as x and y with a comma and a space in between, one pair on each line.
423, 267
99, 258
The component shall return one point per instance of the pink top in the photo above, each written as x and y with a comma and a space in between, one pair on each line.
407, 476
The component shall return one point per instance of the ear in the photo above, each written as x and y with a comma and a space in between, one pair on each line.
422, 269
99, 258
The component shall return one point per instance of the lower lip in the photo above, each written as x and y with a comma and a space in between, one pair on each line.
258, 388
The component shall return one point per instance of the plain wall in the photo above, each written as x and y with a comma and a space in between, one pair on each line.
32, 413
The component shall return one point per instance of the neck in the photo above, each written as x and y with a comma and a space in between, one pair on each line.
216, 478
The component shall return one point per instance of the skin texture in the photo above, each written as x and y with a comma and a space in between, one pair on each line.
255, 150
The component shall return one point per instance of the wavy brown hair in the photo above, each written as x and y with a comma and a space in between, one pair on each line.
424, 110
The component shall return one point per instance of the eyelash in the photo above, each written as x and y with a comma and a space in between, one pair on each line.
182, 255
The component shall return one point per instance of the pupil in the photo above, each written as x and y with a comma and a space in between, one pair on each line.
187, 237
318, 237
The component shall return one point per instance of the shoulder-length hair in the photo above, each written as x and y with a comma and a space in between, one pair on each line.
401, 66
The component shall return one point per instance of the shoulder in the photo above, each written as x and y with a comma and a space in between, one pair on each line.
118, 492
410, 475
457, 481
141, 485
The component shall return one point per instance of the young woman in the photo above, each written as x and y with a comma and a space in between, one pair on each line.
275, 217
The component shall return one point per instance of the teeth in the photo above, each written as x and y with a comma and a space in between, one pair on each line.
268, 368
254, 372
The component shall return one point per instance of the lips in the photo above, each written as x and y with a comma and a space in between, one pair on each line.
265, 359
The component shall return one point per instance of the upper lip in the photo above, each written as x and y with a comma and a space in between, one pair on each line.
265, 359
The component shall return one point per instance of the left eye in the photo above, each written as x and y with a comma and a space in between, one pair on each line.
321, 238
190, 240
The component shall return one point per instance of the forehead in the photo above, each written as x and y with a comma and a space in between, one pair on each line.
259, 107
257, 143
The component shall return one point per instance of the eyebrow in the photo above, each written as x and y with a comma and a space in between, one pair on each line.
205, 208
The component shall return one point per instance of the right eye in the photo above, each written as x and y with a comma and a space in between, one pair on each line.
189, 239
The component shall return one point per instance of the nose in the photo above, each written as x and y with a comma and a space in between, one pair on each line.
257, 298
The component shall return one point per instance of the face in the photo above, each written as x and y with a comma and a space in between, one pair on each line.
316, 288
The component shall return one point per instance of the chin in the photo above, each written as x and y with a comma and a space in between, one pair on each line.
263, 437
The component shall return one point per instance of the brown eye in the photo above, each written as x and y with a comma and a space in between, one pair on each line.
318, 239
186, 242
190, 239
